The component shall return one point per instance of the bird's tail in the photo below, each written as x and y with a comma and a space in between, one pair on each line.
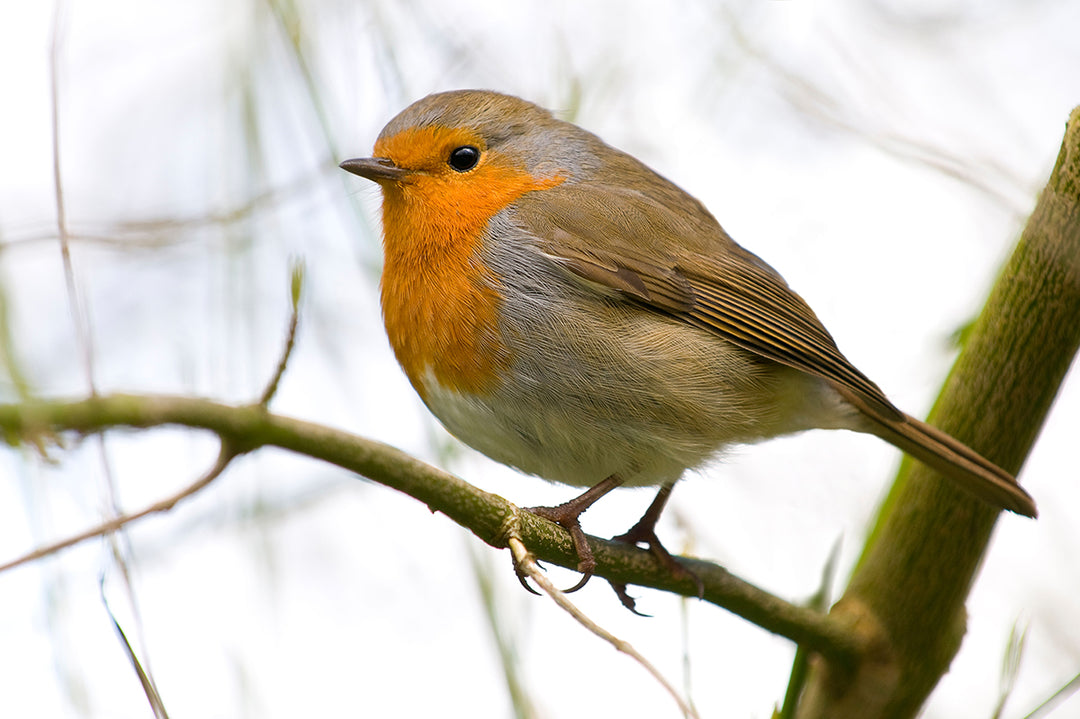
955, 460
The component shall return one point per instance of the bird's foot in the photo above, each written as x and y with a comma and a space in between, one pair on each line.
568, 516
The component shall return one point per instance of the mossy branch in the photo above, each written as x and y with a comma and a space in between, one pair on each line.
909, 588
246, 428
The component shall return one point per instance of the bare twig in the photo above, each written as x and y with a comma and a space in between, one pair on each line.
226, 455
1056, 699
526, 563
145, 680
503, 636
163, 505
80, 315
295, 290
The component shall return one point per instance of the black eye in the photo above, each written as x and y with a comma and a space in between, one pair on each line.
464, 158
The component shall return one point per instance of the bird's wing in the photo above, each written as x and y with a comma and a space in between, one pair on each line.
684, 265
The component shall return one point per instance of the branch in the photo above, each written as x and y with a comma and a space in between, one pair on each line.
923, 555
296, 286
246, 428
118, 522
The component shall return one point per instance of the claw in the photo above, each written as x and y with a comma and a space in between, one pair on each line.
523, 579
624, 597
568, 514
568, 520
644, 532
585, 577
637, 535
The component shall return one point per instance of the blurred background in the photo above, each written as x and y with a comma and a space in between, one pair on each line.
882, 155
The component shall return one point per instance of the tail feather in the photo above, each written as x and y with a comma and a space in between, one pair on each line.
957, 461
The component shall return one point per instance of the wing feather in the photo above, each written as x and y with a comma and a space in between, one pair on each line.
639, 249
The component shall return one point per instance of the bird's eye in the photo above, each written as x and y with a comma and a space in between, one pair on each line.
464, 158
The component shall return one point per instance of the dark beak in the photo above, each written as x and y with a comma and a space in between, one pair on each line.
378, 169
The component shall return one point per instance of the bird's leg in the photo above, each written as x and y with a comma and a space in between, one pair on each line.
644, 532
568, 514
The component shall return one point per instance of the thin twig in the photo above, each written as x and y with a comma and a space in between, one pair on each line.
295, 290
1055, 699
503, 637
80, 315
526, 563
163, 505
145, 680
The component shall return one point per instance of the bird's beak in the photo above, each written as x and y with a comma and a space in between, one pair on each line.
378, 169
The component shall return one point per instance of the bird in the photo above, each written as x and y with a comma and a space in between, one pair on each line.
565, 310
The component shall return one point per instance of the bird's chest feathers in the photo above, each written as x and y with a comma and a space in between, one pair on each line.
440, 305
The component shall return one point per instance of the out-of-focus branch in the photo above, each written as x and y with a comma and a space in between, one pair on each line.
118, 522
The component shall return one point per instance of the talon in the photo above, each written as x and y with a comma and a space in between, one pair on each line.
624, 597
523, 579
644, 532
568, 514
638, 536
585, 577
567, 518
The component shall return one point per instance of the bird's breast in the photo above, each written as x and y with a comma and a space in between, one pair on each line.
441, 316
440, 301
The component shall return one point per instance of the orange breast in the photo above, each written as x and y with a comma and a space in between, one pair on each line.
439, 304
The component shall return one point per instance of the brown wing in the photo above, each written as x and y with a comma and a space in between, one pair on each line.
681, 263
684, 265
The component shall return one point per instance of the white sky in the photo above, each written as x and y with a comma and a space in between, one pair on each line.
814, 131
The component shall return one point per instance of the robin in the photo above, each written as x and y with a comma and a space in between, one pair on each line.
567, 311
